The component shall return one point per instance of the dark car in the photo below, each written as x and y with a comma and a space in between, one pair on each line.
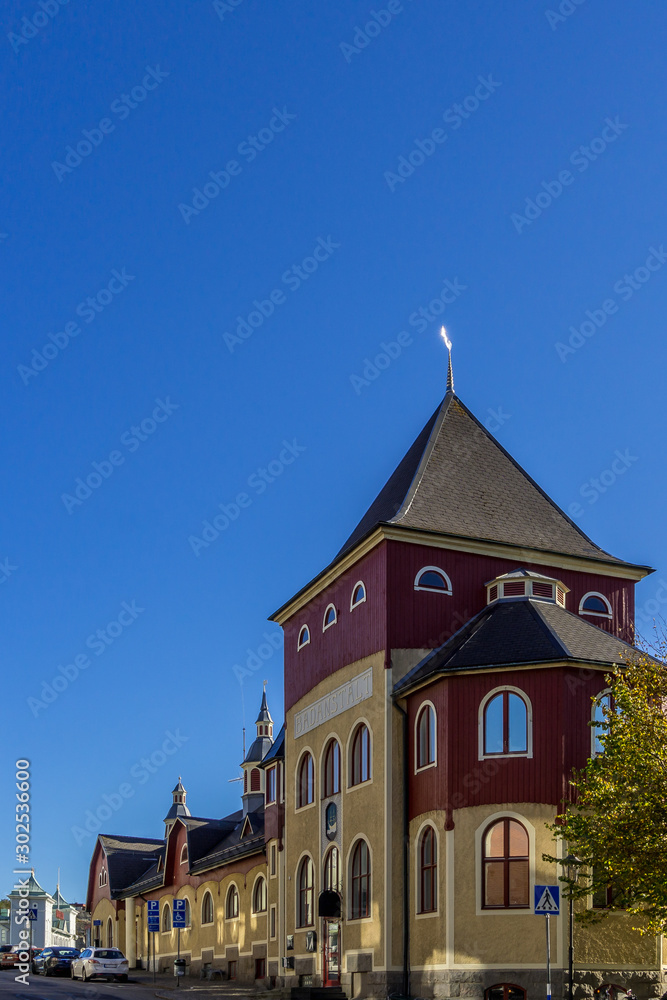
51, 961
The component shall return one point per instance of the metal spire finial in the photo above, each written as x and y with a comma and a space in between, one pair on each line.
450, 373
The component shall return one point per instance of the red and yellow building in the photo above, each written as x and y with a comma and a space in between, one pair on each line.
443, 676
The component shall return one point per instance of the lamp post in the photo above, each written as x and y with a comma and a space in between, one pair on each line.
571, 870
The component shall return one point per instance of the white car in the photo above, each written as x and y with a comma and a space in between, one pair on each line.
92, 962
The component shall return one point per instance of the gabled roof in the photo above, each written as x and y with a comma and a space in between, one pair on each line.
128, 859
235, 844
517, 633
456, 479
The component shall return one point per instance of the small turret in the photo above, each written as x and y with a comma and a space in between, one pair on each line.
253, 776
178, 807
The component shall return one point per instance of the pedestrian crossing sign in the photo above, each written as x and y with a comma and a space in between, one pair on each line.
547, 900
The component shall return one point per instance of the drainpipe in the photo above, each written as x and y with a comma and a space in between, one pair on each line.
406, 857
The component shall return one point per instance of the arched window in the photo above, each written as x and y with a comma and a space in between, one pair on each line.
103, 877
255, 780
305, 792
600, 724
433, 578
304, 637
332, 870
207, 908
330, 617
331, 769
232, 903
360, 899
184, 854
506, 724
358, 595
505, 866
595, 604
166, 918
109, 933
428, 872
425, 736
259, 896
505, 991
360, 762
305, 884
188, 916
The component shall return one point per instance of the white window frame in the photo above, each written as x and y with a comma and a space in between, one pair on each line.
184, 860
434, 763
355, 604
596, 701
481, 755
324, 618
299, 643
595, 614
434, 590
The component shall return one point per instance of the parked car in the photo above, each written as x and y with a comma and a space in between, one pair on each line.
9, 955
34, 952
51, 961
92, 962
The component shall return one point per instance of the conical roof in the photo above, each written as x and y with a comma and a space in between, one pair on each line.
264, 714
34, 888
456, 479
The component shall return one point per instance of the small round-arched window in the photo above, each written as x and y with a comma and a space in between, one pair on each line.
434, 579
330, 617
304, 637
207, 908
358, 595
595, 604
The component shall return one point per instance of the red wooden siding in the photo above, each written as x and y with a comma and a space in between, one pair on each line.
357, 633
561, 700
419, 619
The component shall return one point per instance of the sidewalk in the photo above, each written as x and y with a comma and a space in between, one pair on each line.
168, 986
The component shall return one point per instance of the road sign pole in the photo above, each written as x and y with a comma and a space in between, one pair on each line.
548, 958
178, 956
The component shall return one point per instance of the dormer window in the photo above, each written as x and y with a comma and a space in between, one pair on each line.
522, 583
595, 604
304, 637
330, 618
434, 579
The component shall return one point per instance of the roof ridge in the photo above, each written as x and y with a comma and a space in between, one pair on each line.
413, 488
546, 627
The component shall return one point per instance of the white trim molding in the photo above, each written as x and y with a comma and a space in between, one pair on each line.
528, 752
325, 624
299, 643
595, 614
355, 604
434, 590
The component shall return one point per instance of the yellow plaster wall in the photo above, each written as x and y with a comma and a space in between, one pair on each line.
362, 809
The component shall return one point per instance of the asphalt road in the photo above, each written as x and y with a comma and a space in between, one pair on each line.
64, 988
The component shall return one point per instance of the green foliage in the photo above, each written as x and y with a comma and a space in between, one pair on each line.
618, 824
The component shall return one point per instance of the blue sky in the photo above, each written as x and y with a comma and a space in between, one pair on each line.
213, 217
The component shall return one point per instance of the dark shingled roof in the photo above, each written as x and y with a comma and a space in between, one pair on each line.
129, 859
277, 751
519, 632
456, 479
232, 846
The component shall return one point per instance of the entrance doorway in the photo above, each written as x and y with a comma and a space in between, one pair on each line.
331, 963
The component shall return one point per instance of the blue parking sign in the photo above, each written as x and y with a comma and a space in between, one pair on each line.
153, 909
179, 913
